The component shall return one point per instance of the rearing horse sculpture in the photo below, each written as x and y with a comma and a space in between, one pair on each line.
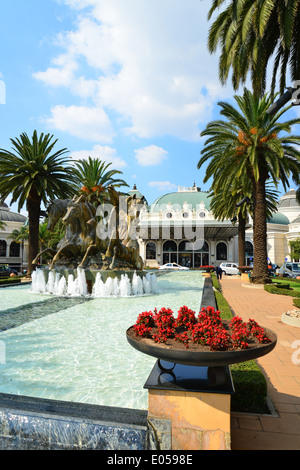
56, 210
121, 246
78, 212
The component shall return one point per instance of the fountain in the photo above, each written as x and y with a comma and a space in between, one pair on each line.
86, 263
74, 284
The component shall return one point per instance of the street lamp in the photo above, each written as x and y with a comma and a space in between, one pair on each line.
283, 100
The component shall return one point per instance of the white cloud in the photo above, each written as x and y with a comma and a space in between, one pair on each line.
105, 153
81, 121
151, 155
146, 61
163, 185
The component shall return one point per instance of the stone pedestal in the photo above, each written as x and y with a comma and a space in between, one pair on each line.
196, 405
245, 277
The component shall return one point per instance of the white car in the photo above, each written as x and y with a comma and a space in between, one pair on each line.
173, 266
229, 268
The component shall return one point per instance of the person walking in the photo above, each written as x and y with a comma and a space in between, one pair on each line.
219, 272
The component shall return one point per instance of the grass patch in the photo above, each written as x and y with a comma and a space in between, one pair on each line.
249, 382
296, 302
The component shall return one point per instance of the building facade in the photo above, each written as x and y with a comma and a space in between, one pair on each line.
12, 253
179, 227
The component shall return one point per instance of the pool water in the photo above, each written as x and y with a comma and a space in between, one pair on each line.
76, 349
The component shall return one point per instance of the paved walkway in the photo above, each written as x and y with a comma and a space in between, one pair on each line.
280, 431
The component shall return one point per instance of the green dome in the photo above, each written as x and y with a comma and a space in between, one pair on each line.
278, 218
192, 198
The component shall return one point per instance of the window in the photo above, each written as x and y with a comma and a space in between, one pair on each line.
3, 248
169, 252
151, 250
221, 251
170, 246
14, 250
169, 215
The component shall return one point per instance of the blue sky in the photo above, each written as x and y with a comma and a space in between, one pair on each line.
130, 82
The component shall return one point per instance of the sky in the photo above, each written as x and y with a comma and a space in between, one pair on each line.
130, 82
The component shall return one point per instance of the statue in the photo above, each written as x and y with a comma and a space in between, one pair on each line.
82, 247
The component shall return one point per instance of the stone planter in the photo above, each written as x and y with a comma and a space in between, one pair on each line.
202, 358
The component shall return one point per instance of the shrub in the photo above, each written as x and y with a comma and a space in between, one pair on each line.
275, 290
250, 388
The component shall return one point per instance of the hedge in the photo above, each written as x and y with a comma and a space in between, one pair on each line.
249, 382
11, 280
275, 290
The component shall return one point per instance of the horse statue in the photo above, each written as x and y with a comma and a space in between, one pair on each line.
121, 245
56, 210
118, 248
78, 212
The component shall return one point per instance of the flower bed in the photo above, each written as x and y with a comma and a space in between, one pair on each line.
202, 332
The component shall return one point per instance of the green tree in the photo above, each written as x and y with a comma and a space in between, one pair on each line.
252, 146
19, 236
295, 249
250, 34
33, 172
93, 176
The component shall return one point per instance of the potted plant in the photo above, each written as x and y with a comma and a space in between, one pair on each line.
200, 340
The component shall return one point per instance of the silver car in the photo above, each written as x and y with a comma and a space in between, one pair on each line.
173, 266
229, 268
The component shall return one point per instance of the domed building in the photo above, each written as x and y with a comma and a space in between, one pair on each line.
11, 253
179, 227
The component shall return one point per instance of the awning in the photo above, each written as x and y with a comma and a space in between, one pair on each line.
170, 230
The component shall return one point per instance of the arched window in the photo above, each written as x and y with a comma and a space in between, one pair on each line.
248, 252
14, 250
151, 250
3, 248
222, 251
169, 252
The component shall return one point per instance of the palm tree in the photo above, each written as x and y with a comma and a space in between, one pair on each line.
248, 146
32, 173
19, 236
249, 34
224, 206
93, 176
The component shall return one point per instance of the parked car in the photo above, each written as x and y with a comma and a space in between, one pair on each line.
6, 271
173, 266
229, 268
289, 269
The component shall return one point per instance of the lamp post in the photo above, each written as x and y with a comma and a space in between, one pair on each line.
283, 100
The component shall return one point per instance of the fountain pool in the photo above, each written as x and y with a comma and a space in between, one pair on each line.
75, 349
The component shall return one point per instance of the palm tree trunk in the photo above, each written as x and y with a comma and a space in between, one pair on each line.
242, 240
260, 269
33, 207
